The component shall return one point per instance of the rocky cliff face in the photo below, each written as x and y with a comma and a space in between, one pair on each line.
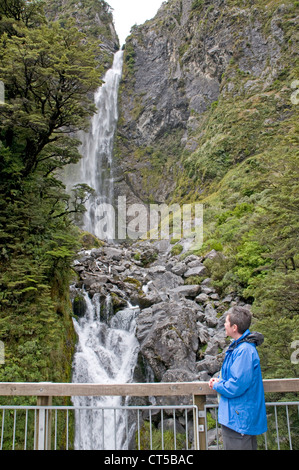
207, 115
194, 59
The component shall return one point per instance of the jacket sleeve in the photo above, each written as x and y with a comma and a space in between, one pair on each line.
240, 375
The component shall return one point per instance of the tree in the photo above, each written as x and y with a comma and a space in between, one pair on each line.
50, 72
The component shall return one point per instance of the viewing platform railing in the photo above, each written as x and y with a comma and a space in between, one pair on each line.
44, 436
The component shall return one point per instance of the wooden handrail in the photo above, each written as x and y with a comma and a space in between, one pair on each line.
131, 389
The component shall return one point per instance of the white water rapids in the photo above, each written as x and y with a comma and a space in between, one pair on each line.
107, 349
106, 353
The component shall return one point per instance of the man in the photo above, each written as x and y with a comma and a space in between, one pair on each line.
242, 410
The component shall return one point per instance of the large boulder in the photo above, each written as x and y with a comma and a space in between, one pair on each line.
168, 337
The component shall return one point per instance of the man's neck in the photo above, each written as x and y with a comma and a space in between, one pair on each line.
236, 336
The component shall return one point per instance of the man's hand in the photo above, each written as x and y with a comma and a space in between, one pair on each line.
212, 381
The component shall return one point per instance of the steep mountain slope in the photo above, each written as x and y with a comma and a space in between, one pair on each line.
209, 113
205, 83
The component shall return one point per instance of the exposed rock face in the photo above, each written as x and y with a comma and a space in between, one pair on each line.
180, 326
175, 67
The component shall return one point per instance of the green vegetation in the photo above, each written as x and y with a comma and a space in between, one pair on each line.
245, 172
151, 439
94, 17
253, 215
177, 249
48, 70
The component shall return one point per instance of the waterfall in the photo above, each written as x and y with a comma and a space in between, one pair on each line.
106, 352
96, 165
107, 348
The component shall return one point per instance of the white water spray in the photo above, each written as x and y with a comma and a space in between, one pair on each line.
106, 353
96, 165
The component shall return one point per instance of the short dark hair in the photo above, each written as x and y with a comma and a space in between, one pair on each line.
241, 317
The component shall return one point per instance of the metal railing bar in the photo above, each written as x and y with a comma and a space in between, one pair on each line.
125, 407
288, 424
26, 429
114, 416
127, 429
151, 431
47, 429
266, 441
276, 426
206, 423
186, 429
2, 428
196, 430
35, 421
162, 428
174, 429
55, 431
92, 427
138, 429
217, 427
67, 429
103, 429
14, 429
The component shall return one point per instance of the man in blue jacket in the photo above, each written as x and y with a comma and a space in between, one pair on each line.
242, 410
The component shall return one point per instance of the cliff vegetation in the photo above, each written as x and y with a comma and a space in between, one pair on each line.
49, 70
209, 114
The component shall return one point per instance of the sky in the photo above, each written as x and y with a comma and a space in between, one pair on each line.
129, 12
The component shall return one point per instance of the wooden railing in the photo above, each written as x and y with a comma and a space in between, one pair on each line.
44, 391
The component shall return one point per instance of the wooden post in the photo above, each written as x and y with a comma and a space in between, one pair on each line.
43, 434
199, 401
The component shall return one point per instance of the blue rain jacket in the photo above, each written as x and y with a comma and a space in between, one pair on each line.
242, 400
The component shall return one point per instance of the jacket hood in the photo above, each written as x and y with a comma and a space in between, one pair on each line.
255, 338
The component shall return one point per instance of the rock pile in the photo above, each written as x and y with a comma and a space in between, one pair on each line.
180, 326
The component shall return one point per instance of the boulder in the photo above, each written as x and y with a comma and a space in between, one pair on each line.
168, 337
202, 298
179, 269
210, 364
211, 316
200, 270
165, 281
186, 290
113, 253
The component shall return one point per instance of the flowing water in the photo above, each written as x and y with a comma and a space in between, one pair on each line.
107, 347
106, 352
96, 165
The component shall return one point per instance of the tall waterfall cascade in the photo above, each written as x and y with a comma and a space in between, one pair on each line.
96, 165
107, 348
